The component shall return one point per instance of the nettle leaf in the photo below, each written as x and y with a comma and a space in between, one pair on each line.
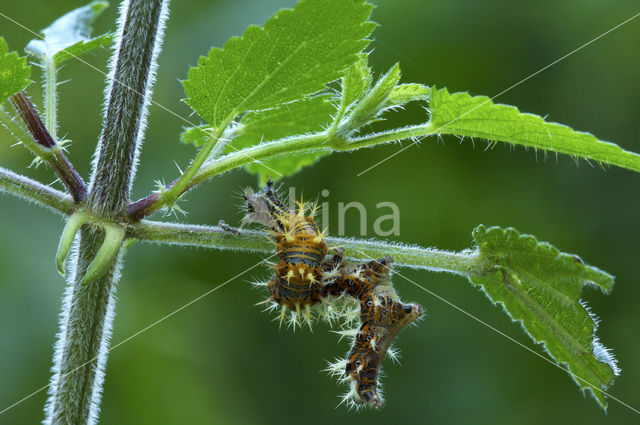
463, 115
405, 93
297, 53
375, 100
312, 114
385, 95
70, 35
82, 47
356, 81
541, 287
14, 72
304, 116
196, 135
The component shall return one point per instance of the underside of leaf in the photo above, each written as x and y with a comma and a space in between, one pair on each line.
541, 287
70, 35
461, 114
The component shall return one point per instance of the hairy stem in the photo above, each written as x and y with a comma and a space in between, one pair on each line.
176, 188
133, 71
51, 97
87, 312
318, 142
36, 192
25, 138
183, 181
305, 143
47, 146
411, 132
467, 263
152, 203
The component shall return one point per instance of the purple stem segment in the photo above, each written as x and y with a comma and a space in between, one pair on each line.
61, 165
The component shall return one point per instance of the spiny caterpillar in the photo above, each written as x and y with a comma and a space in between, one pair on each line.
301, 248
304, 278
382, 317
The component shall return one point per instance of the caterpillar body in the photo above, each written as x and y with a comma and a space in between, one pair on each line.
382, 317
305, 278
298, 280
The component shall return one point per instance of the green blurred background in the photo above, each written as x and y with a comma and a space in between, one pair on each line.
223, 361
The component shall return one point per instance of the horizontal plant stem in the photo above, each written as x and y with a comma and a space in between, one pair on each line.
411, 132
152, 203
34, 191
297, 144
202, 236
317, 142
467, 263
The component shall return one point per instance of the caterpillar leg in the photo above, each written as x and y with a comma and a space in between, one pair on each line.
224, 226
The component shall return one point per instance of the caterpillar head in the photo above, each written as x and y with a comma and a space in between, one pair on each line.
266, 208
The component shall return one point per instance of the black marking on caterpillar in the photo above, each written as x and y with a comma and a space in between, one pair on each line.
304, 278
382, 317
265, 208
224, 226
298, 280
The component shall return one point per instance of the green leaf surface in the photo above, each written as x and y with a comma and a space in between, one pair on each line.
541, 287
70, 35
308, 115
375, 101
78, 49
14, 72
356, 81
196, 135
463, 115
297, 53
405, 93
304, 116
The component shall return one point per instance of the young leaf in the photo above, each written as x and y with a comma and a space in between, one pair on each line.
356, 81
297, 52
385, 95
375, 101
405, 93
463, 115
81, 47
14, 72
196, 135
70, 35
304, 116
541, 287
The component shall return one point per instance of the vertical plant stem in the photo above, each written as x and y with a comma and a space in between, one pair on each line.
51, 98
87, 311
